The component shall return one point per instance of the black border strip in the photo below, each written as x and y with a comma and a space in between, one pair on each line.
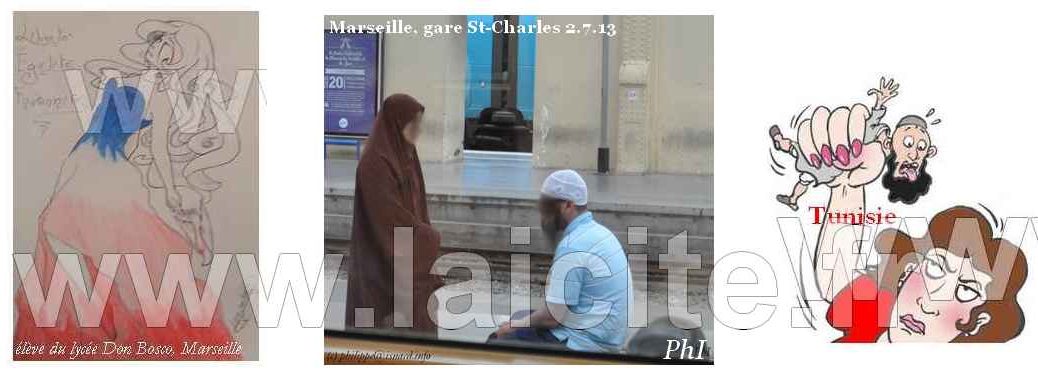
517, 348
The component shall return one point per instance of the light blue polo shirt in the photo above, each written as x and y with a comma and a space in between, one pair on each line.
589, 273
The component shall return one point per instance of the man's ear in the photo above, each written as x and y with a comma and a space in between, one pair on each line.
931, 152
569, 210
982, 320
884, 141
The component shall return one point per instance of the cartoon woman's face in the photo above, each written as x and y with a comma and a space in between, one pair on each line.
164, 52
935, 295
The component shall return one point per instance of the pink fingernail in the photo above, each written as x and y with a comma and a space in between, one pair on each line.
827, 155
856, 147
843, 154
815, 161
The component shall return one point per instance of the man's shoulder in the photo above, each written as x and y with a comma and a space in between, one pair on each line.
589, 238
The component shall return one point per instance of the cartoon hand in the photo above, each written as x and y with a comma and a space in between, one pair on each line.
887, 90
834, 139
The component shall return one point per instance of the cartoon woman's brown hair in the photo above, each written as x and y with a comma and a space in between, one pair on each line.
964, 232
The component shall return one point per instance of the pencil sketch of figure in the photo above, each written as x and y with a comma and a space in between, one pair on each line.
173, 155
136, 182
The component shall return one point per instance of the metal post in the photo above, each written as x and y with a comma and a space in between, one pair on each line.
603, 142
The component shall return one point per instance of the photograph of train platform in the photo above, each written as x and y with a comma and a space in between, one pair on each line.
540, 185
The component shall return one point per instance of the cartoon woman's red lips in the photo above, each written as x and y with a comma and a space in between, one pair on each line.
912, 324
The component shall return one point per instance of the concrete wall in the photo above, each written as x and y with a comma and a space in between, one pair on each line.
684, 102
479, 224
433, 71
660, 95
567, 96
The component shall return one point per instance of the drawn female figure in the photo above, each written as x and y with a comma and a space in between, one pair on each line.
104, 200
184, 141
937, 288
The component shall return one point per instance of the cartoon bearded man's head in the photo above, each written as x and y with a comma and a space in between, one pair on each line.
908, 150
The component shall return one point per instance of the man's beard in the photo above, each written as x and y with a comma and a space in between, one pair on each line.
903, 189
552, 229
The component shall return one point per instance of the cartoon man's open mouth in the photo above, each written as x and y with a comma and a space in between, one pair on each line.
913, 325
909, 170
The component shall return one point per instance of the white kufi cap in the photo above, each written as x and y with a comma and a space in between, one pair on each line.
566, 185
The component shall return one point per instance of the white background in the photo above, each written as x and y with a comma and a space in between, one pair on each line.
975, 64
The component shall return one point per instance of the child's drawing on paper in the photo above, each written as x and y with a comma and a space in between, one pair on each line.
137, 180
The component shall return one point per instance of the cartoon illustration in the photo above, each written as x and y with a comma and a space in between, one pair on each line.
948, 286
136, 183
957, 283
908, 150
820, 157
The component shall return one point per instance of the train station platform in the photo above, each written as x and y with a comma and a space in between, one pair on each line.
652, 295
476, 202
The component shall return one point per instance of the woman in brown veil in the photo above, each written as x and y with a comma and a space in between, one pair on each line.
388, 288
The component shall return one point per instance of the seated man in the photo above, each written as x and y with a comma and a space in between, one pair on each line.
589, 284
